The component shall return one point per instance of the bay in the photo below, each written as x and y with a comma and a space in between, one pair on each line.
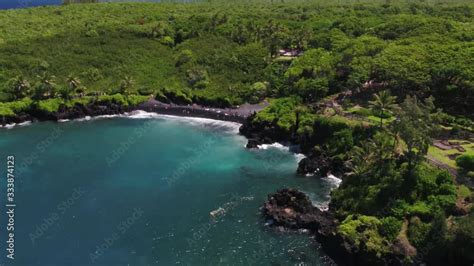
124, 191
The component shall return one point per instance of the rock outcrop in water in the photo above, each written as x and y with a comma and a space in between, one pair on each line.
293, 209
318, 162
261, 133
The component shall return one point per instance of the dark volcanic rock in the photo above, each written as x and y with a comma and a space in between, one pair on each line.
320, 163
293, 209
253, 143
313, 165
261, 132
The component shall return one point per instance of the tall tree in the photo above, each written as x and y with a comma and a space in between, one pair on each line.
73, 84
127, 85
18, 87
383, 103
45, 87
416, 124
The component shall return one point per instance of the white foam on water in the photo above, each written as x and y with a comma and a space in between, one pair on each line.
299, 157
86, 118
139, 114
324, 205
275, 145
333, 180
10, 126
197, 121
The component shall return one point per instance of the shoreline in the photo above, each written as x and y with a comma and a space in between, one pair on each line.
236, 115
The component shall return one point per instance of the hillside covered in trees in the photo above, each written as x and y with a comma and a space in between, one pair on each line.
224, 55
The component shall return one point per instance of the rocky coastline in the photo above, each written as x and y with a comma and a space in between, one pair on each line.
316, 162
238, 115
288, 208
292, 209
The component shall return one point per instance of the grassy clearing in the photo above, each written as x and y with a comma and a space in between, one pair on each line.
443, 155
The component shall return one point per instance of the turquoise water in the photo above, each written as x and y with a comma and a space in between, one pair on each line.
128, 191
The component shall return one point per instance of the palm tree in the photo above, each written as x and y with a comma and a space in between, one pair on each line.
19, 87
73, 84
363, 157
46, 87
126, 85
298, 111
383, 103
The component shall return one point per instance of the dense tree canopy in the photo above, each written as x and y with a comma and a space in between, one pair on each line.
215, 53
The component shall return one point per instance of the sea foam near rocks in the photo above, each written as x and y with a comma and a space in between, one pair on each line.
10, 126
197, 121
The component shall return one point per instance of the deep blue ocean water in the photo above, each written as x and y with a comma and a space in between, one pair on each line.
128, 191
11, 4
8, 4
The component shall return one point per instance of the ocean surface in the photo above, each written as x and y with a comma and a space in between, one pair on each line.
139, 190
11, 4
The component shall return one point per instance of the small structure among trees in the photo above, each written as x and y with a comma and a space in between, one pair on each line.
289, 52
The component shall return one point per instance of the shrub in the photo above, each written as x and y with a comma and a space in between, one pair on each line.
462, 244
280, 111
363, 231
6, 111
135, 100
160, 96
341, 141
49, 106
464, 192
184, 57
197, 78
116, 98
362, 111
421, 209
466, 161
418, 232
177, 96
21, 105
146, 91
390, 227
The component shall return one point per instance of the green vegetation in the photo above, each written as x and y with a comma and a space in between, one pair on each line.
389, 181
411, 59
364, 232
466, 162
220, 54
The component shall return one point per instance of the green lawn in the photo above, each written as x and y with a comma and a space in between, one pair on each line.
442, 155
